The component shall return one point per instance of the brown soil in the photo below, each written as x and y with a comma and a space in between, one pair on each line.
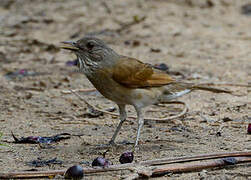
206, 42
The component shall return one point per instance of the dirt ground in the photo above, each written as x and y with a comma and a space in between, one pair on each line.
204, 41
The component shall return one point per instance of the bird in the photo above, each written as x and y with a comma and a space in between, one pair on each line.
127, 81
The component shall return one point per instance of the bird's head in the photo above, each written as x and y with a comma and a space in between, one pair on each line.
92, 53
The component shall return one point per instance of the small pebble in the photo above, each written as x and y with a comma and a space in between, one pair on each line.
227, 119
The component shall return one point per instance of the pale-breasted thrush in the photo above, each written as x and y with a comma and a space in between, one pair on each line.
127, 81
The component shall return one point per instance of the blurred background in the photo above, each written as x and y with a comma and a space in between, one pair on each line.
197, 40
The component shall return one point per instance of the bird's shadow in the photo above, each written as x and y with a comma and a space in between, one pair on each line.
122, 146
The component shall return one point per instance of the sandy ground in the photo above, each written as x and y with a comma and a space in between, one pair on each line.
206, 42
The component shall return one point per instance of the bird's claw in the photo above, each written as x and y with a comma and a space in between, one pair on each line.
135, 148
111, 143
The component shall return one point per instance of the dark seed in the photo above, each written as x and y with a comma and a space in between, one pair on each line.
155, 50
101, 161
135, 43
218, 133
246, 9
126, 157
161, 66
249, 128
75, 172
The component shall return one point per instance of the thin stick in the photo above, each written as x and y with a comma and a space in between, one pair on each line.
31, 174
194, 158
128, 25
186, 167
244, 157
184, 111
197, 166
135, 117
91, 106
123, 27
78, 90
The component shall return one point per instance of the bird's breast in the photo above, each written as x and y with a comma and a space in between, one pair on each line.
109, 88
120, 94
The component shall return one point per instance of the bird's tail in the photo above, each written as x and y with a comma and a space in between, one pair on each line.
211, 89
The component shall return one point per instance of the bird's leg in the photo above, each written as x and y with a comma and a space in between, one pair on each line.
140, 115
122, 114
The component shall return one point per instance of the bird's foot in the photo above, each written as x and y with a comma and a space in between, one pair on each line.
125, 142
111, 143
135, 148
103, 146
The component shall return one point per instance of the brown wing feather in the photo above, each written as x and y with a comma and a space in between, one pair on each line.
135, 74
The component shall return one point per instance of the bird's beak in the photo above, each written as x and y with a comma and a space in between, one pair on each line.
69, 45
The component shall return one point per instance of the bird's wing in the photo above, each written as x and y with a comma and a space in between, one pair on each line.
134, 74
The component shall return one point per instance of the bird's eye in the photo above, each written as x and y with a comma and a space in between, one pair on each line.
90, 45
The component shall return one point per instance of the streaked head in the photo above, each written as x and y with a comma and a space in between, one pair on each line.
92, 53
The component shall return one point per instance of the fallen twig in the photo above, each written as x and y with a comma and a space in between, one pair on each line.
40, 139
128, 25
149, 168
197, 166
93, 108
195, 158
123, 27
40, 163
78, 90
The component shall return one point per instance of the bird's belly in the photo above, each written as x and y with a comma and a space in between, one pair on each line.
146, 96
